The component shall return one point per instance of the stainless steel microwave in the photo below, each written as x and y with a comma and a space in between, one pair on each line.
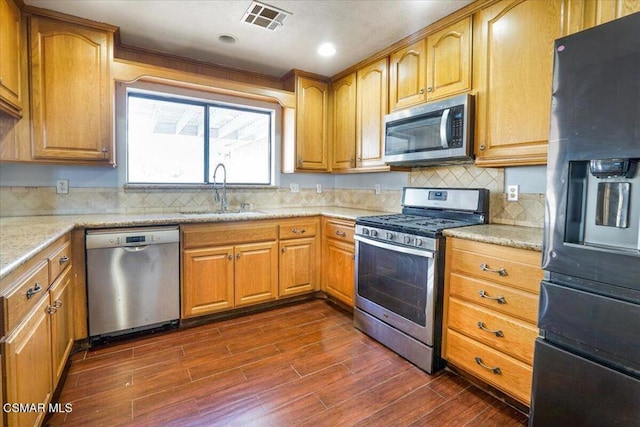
436, 133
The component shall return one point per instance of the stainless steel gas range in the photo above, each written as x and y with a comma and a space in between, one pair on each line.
400, 265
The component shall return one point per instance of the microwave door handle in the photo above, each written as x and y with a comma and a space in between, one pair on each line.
443, 128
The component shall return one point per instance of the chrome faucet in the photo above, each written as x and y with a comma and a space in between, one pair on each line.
223, 201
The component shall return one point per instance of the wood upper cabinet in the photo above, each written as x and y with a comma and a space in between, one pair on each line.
311, 124
513, 51
408, 76
343, 143
431, 68
449, 60
71, 92
372, 100
10, 62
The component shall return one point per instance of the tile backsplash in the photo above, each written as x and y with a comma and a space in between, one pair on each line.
17, 201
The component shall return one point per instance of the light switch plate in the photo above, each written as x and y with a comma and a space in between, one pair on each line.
318, 188
376, 189
295, 188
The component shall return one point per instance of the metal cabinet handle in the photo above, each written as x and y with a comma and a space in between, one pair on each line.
496, 332
238, 256
32, 291
485, 267
230, 257
500, 299
283, 250
496, 370
51, 309
341, 234
296, 231
63, 259
421, 91
429, 89
57, 303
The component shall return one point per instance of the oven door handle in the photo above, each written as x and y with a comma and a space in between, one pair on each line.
397, 248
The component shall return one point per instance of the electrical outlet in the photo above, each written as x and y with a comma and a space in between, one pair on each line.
513, 192
377, 189
295, 188
318, 188
62, 186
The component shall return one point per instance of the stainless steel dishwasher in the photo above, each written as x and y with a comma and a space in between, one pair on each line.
133, 281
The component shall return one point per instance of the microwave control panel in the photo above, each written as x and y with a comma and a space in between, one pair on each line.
457, 127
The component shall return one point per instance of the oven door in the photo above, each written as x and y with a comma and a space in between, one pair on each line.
395, 284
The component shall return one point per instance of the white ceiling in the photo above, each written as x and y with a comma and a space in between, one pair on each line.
190, 28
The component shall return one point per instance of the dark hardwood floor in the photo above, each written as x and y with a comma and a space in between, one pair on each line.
302, 365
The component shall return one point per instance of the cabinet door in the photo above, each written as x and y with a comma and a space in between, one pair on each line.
207, 282
514, 53
338, 274
256, 273
372, 95
71, 92
10, 70
311, 124
27, 353
62, 326
343, 149
449, 60
407, 76
608, 10
298, 270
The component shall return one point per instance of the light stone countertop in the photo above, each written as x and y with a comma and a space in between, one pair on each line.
505, 235
21, 238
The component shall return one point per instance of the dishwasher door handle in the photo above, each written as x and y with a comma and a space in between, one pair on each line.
135, 248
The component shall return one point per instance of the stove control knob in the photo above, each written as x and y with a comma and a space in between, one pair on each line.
389, 236
374, 233
407, 240
365, 231
418, 242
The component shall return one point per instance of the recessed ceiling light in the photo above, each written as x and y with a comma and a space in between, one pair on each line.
326, 49
227, 38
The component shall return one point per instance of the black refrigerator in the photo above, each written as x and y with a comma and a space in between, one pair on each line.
586, 368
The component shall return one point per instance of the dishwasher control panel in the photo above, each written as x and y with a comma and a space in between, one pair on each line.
131, 237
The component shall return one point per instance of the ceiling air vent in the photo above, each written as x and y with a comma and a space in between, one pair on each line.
265, 16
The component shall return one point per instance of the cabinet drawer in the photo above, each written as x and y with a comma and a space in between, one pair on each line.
510, 266
26, 295
194, 236
58, 261
297, 229
507, 300
510, 375
503, 333
339, 230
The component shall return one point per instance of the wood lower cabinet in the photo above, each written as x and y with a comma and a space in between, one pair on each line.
256, 273
299, 264
227, 265
338, 253
207, 280
71, 92
62, 323
37, 329
491, 308
10, 58
27, 353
